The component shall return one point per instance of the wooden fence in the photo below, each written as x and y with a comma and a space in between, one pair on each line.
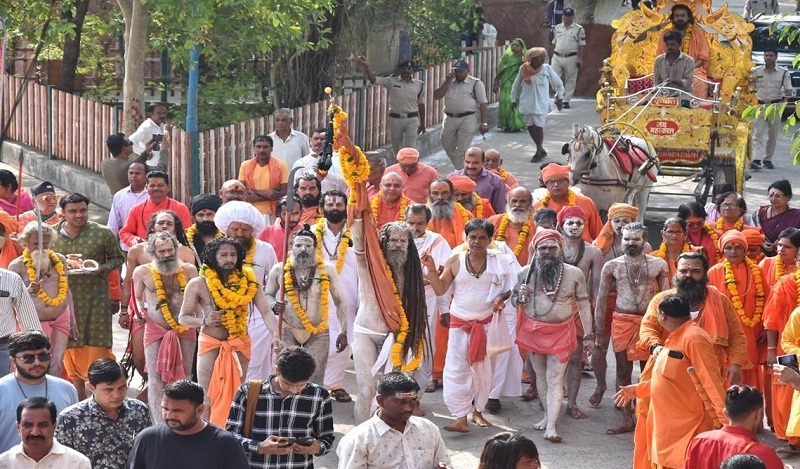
74, 129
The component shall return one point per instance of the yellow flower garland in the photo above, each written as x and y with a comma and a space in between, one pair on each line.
736, 226
355, 168
662, 251
192, 231
715, 240
687, 40
232, 298
478, 201
503, 175
797, 282
779, 268
572, 199
58, 265
341, 249
500, 235
401, 211
161, 294
325, 287
399, 341
730, 282
465, 214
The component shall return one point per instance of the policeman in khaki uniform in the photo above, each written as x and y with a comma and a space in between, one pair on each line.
406, 103
569, 39
773, 85
465, 109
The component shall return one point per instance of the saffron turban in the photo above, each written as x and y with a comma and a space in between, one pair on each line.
242, 212
732, 236
754, 236
534, 52
407, 156
463, 183
547, 235
570, 211
555, 171
618, 210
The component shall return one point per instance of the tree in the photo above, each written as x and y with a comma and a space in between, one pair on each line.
74, 14
137, 25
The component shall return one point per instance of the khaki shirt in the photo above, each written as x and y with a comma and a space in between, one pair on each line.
567, 39
404, 97
466, 96
682, 69
772, 85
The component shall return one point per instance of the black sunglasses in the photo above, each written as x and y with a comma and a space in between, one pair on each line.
30, 358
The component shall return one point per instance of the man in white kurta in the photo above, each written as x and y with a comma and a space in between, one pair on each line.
242, 222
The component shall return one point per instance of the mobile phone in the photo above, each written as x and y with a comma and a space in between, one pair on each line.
285, 441
789, 361
157, 138
305, 441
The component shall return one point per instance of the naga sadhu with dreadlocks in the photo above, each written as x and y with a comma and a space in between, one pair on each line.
394, 268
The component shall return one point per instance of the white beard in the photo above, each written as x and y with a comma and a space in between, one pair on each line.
41, 259
517, 216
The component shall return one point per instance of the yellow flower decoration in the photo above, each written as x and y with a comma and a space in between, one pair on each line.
500, 235
736, 226
355, 168
399, 341
401, 211
341, 249
779, 268
736, 299
572, 199
192, 231
714, 240
503, 175
478, 201
161, 295
465, 214
233, 297
325, 288
58, 266
797, 282
662, 251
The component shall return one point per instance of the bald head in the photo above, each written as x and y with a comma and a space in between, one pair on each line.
391, 187
492, 160
232, 189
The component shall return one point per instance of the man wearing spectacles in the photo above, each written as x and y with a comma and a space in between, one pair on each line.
46, 201
30, 352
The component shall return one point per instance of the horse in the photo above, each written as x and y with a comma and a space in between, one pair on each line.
599, 175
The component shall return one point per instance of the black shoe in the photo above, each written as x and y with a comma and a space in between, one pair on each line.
493, 406
538, 156
768, 164
756, 164
565, 105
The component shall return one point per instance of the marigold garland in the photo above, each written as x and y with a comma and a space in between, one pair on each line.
478, 201
163, 303
730, 282
714, 240
355, 168
687, 40
522, 238
233, 297
465, 214
401, 211
58, 266
291, 292
192, 231
399, 341
736, 226
503, 175
662, 251
797, 283
572, 199
341, 249
779, 268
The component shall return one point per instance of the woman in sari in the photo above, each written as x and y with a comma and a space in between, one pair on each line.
13, 199
777, 216
509, 119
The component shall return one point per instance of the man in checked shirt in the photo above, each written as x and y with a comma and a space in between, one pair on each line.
293, 420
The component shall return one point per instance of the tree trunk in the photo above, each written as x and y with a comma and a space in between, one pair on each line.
137, 20
72, 46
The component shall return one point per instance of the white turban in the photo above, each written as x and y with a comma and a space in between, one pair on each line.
243, 212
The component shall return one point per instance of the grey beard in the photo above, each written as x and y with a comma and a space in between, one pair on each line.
41, 259
518, 216
442, 209
168, 265
303, 261
397, 261
468, 203
633, 250
547, 270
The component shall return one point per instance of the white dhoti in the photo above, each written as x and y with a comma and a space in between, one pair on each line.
465, 383
507, 367
260, 366
338, 361
424, 374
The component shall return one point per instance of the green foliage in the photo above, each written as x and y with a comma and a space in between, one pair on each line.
223, 100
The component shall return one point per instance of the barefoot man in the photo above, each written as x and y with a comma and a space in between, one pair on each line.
50, 294
636, 277
168, 346
588, 258
481, 279
218, 303
307, 282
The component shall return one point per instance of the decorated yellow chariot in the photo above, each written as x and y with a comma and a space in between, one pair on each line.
699, 135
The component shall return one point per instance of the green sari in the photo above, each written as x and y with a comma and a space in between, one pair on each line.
509, 119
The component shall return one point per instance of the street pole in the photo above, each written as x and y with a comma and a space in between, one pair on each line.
191, 120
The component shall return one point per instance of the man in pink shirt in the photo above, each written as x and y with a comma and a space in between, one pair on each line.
135, 229
274, 234
417, 177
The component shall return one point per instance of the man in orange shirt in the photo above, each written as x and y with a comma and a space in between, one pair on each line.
493, 163
747, 292
677, 412
515, 227
265, 177
417, 177
136, 226
390, 203
308, 188
556, 179
464, 192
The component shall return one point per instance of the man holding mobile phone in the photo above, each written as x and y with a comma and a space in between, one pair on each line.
294, 422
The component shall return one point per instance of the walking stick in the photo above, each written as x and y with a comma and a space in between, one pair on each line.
285, 221
709, 407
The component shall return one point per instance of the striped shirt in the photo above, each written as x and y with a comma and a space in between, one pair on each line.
309, 413
15, 303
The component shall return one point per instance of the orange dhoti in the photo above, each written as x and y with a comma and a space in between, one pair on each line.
227, 375
441, 337
78, 360
625, 335
559, 339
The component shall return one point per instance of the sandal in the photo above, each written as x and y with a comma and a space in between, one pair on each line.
789, 449
340, 395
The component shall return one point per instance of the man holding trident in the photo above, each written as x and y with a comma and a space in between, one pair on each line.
390, 329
